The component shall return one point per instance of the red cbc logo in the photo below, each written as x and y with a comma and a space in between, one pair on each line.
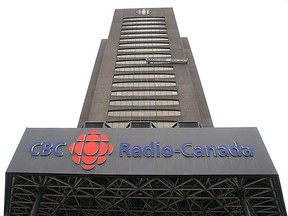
90, 149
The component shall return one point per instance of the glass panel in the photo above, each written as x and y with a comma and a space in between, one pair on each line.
143, 30
143, 84
118, 124
151, 49
144, 44
131, 62
151, 113
144, 35
142, 39
164, 124
143, 19
143, 22
144, 69
143, 26
145, 76
144, 102
143, 93
143, 55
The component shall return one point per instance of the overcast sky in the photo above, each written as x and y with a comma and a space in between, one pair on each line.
48, 49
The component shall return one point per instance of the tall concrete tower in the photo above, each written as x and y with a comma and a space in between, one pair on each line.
145, 71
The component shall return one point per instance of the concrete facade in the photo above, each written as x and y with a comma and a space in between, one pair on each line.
134, 37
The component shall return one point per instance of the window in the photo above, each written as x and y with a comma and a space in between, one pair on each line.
148, 69
131, 62
143, 30
143, 93
158, 124
147, 34
142, 39
150, 113
118, 124
144, 76
143, 22
146, 49
143, 26
144, 102
144, 44
143, 84
143, 56
164, 124
143, 19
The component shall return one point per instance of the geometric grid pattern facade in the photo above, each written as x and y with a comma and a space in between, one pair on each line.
137, 196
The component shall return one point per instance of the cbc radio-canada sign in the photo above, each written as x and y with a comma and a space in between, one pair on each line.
94, 148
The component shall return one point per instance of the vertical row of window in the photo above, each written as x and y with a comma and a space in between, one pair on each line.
143, 37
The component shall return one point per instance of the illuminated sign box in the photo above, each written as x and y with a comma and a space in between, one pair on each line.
173, 151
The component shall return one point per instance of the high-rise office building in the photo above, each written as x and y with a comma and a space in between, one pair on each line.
145, 143
145, 72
